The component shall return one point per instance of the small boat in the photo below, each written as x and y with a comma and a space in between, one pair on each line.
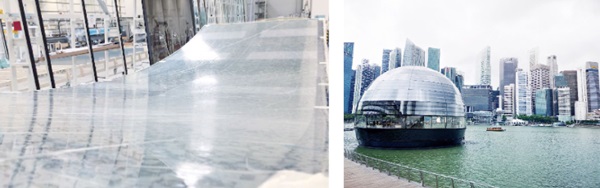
496, 128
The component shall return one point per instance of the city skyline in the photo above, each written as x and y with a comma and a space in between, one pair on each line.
555, 28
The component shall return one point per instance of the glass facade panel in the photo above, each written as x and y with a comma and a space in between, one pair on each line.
408, 122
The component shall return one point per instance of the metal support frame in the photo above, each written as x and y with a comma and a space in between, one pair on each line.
29, 49
4, 40
89, 39
121, 36
43, 32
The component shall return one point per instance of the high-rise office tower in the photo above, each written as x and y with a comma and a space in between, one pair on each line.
539, 79
413, 55
348, 75
543, 102
581, 108
351, 103
553, 69
478, 97
534, 55
366, 73
571, 79
459, 81
449, 72
593, 86
454, 76
522, 94
560, 80
433, 58
564, 104
421, 57
485, 77
385, 60
508, 100
508, 68
358, 77
395, 59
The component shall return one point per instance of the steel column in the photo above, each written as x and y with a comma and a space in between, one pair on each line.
89, 39
149, 43
193, 19
121, 35
29, 49
43, 31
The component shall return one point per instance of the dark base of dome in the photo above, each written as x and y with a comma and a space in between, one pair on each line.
409, 138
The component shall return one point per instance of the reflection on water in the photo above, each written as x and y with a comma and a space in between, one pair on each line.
519, 157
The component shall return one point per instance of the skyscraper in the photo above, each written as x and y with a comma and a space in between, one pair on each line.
395, 59
593, 87
459, 81
366, 73
553, 69
522, 94
571, 79
454, 76
449, 72
534, 54
358, 77
581, 106
564, 104
508, 68
508, 100
478, 97
560, 80
349, 109
385, 60
539, 79
485, 67
433, 59
413, 55
348, 75
543, 102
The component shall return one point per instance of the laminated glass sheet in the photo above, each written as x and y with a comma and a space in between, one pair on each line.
236, 105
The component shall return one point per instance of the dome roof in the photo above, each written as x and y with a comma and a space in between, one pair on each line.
414, 90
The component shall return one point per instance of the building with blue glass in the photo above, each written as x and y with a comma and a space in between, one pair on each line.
560, 81
385, 60
478, 97
348, 76
395, 59
508, 69
454, 76
433, 59
449, 72
543, 102
593, 86
571, 79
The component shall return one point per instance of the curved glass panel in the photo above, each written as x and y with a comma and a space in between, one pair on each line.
412, 91
408, 122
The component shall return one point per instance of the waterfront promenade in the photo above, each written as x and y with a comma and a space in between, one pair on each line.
357, 176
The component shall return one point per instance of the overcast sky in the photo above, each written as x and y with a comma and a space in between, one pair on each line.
461, 29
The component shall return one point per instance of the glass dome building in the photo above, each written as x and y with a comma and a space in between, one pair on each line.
410, 107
